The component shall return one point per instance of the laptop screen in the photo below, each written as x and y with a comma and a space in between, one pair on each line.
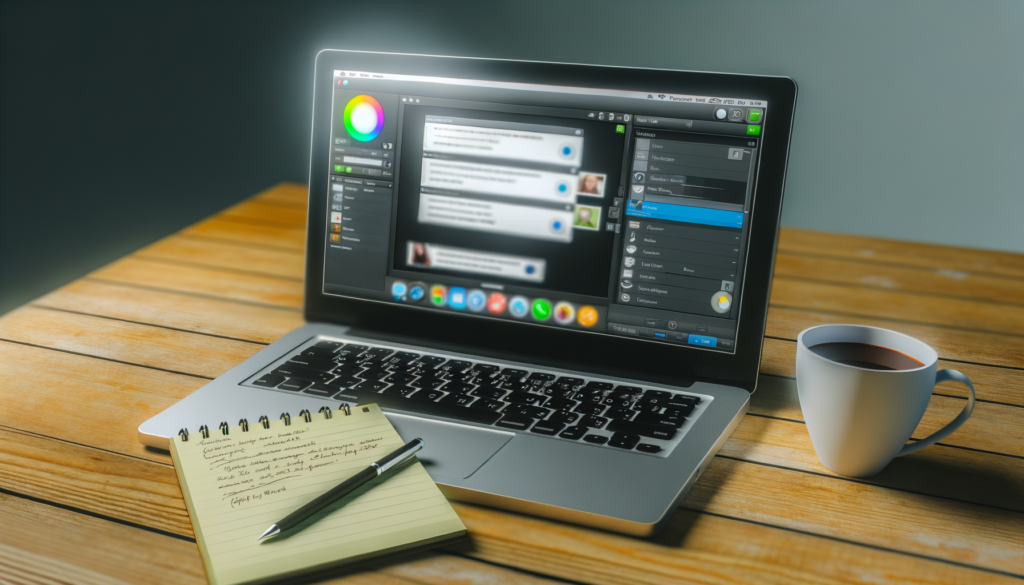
605, 211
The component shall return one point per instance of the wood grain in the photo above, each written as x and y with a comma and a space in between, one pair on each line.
265, 212
994, 384
43, 544
217, 283
974, 315
865, 273
226, 255
208, 316
284, 194
240, 231
697, 548
903, 253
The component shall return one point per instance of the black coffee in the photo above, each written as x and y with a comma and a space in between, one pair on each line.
863, 355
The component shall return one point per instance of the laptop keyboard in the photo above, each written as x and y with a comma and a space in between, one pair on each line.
525, 400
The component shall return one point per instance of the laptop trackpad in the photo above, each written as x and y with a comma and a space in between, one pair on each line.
450, 449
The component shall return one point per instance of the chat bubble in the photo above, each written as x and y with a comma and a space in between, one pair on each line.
498, 180
434, 256
516, 220
504, 143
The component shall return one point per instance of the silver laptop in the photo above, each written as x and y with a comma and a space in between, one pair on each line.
556, 275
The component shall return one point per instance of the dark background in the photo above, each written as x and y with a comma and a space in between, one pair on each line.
121, 122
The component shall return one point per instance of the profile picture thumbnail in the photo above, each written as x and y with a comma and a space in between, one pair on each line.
418, 254
590, 184
586, 217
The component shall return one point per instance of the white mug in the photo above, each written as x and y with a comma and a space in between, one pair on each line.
859, 419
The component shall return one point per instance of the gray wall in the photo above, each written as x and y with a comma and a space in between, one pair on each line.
906, 125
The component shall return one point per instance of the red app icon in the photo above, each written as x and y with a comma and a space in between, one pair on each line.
496, 303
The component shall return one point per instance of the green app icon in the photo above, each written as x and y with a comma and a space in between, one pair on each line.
348, 169
755, 115
339, 169
753, 130
541, 309
620, 129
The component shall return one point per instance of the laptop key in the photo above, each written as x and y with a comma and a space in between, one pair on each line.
295, 384
513, 374
517, 386
331, 345
593, 421
516, 409
457, 387
684, 399
561, 403
569, 383
401, 378
344, 381
547, 427
373, 374
535, 411
648, 448
491, 393
353, 395
587, 408
430, 395
486, 369
654, 431
620, 413
403, 358
487, 404
564, 417
268, 380
458, 399
456, 366
660, 419
482, 416
431, 361
624, 440
351, 350
523, 398
429, 382
398, 391
596, 439
683, 410
541, 376
377, 352
318, 353
574, 433
599, 385
513, 421
322, 390
372, 385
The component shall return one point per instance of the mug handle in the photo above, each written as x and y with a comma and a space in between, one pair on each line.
942, 376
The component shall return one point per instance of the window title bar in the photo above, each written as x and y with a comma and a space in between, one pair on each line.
657, 97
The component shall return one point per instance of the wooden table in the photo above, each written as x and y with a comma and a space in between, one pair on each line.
81, 501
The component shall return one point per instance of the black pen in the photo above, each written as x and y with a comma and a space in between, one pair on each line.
346, 487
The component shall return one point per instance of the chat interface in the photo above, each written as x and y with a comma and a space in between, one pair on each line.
622, 213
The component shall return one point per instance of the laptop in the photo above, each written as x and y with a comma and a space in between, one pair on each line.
557, 275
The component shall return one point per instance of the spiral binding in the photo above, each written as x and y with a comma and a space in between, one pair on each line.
264, 420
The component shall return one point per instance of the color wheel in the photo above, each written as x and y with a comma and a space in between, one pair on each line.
364, 118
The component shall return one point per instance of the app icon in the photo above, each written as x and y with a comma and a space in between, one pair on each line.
477, 300
457, 298
721, 301
587, 316
335, 217
335, 227
438, 295
398, 290
753, 130
564, 313
626, 283
496, 303
335, 237
624, 297
629, 261
519, 306
417, 291
620, 129
541, 309
363, 118
631, 249
753, 115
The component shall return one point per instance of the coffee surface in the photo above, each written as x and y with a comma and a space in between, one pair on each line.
864, 355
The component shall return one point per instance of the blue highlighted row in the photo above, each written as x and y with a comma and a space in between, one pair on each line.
686, 213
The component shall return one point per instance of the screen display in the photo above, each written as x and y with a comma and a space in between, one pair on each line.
605, 211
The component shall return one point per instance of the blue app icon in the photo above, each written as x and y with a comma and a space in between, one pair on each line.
477, 300
457, 298
398, 290
519, 306
417, 292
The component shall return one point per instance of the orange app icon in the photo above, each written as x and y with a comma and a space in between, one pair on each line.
335, 237
335, 227
586, 316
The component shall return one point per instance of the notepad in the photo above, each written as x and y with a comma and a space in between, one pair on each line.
238, 482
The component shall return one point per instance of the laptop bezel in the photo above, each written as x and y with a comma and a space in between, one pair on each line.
602, 354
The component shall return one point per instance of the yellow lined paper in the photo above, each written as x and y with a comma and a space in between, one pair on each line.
237, 485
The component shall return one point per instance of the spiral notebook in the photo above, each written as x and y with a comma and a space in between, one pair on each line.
239, 480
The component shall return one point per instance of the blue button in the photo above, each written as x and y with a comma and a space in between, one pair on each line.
660, 334
703, 340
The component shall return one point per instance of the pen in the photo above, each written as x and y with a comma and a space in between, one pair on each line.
344, 488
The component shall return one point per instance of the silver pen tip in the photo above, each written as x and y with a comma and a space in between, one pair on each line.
272, 531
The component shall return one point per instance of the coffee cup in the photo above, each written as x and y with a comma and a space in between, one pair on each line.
863, 390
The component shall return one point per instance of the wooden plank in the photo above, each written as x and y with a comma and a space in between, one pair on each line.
202, 315
977, 315
233, 230
697, 548
693, 547
267, 213
1004, 385
905, 253
901, 278
284, 194
86, 400
992, 427
44, 544
166, 349
226, 255
951, 344
942, 471
205, 281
